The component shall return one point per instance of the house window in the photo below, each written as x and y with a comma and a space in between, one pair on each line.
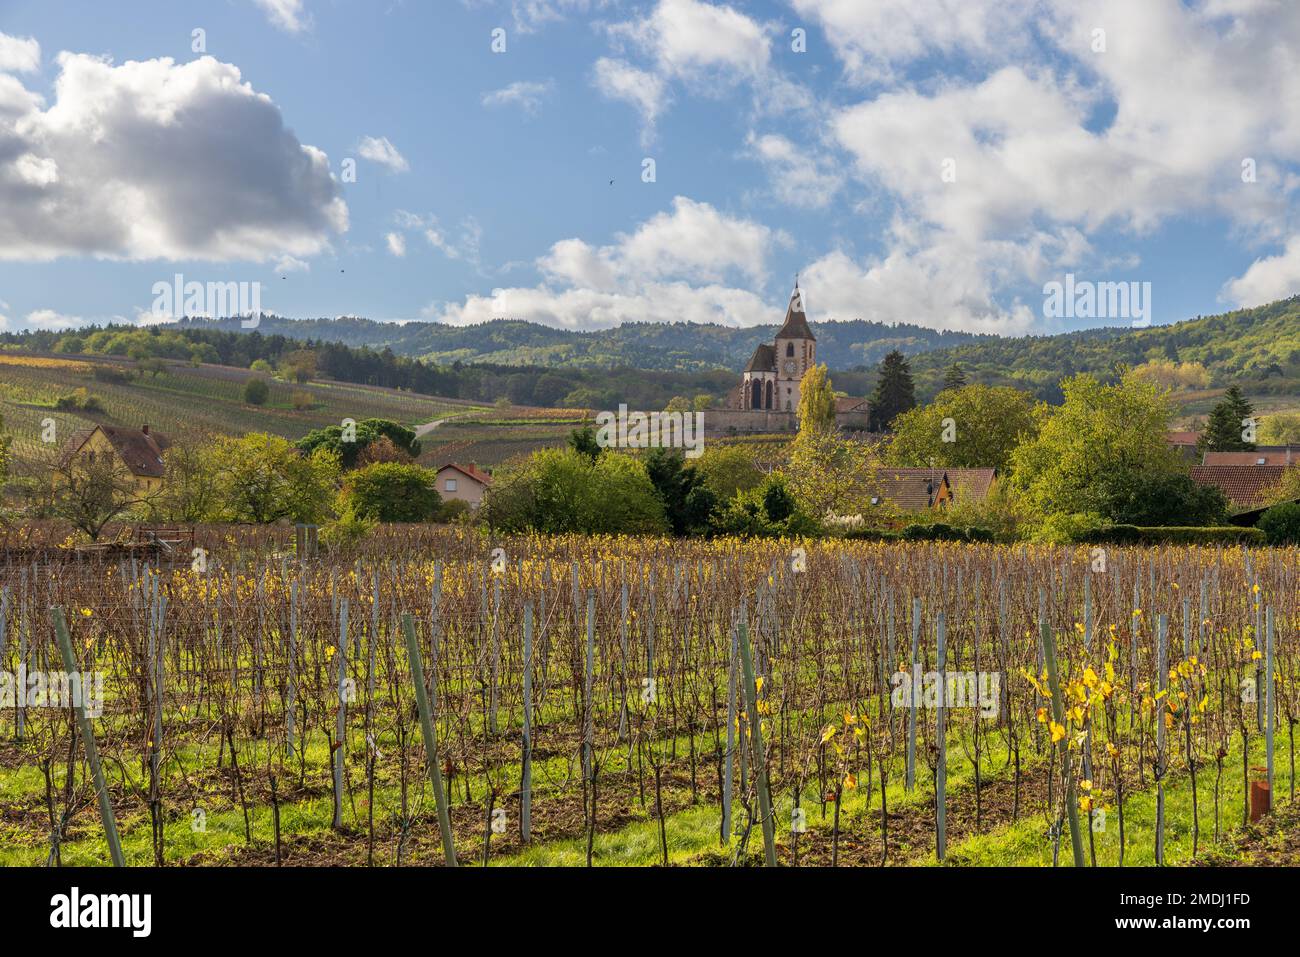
449, 485
789, 350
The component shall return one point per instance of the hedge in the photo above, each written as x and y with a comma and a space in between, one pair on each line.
1174, 535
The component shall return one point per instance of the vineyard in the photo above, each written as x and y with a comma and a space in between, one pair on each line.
185, 403
436, 698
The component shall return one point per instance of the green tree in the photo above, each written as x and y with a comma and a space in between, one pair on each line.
256, 391
727, 469
894, 393
192, 491
262, 478
557, 491
391, 492
1223, 432
364, 434
768, 510
688, 502
1102, 437
977, 426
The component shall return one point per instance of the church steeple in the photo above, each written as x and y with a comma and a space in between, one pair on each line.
796, 322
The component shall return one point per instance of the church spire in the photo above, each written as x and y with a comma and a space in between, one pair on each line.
796, 322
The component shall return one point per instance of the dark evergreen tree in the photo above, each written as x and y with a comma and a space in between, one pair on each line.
894, 393
954, 377
1224, 430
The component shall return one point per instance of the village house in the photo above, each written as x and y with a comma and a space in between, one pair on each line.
1262, 455
462, 483
1247, 487
138, 451
919, 489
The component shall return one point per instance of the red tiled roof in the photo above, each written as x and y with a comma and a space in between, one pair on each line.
139, 450
910, 489
471, 471
1244, 485
1182, 438
845, 403
1268, 457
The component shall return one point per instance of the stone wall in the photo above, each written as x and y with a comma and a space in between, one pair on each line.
728, 421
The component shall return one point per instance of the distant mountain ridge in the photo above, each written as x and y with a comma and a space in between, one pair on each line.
1258, 348
677, 346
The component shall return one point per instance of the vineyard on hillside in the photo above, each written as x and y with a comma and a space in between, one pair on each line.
188, 404
436, 697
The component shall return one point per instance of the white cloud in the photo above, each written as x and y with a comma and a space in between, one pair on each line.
709, 48
800, 174
396, 244
464, 246
873, 39
53, 321
1268, 279
526, 94
380, 150
672, 268
647, 92
19, 54
287, 15
291, 264
134, 162
697, 40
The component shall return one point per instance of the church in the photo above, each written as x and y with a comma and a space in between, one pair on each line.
767, 397
771, 382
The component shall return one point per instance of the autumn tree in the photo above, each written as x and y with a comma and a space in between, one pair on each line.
816, 401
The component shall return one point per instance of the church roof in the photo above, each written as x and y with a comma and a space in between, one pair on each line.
764, 359
796, 323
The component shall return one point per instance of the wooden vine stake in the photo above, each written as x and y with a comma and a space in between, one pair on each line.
88, 737
430, 737
941, 740
910, 780
1058, 713
526, 784
760, 757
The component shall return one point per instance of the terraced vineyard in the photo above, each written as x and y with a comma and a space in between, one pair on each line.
436, 696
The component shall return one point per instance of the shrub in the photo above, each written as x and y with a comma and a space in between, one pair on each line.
1173, 535
79, 399
256, 391
454, 510
302, 401
1281, 524
392, 492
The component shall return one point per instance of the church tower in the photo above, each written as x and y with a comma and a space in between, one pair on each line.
796, 353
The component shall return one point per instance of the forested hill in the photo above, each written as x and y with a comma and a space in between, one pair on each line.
1258, 349
677, 347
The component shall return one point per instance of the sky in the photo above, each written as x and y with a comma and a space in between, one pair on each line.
583, 163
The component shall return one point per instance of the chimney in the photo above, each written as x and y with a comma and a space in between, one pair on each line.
145, 428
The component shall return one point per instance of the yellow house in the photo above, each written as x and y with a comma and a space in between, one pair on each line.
140, 451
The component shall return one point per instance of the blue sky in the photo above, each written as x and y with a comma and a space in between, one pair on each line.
931, 161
